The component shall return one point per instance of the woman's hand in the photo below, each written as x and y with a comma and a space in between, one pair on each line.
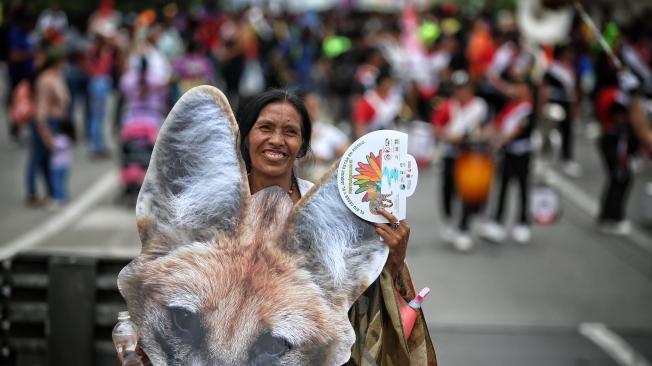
143, 356
139, 351
396, 235
46, 135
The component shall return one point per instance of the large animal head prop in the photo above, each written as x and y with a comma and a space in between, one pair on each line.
229, 278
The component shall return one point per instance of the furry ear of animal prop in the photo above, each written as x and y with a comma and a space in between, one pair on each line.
343, 251
226, 278
196, 182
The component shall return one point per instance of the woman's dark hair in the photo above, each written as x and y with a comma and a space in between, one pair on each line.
249, 111
53, 56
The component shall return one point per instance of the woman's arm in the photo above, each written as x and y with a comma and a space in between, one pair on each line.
396, 238
42, 98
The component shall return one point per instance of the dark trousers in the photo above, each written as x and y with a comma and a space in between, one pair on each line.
619, 177
448, 186
77, 82
565, 127
514, 167
38, 163
449, 194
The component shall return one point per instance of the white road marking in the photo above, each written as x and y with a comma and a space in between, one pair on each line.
610, 342
574, 193
613, 344
106, 185
588, 204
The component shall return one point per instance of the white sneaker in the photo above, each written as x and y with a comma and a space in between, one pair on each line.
463, 242
521, 234
622, 228
493, 231
53, 205
449, 234
636, 164
572, 169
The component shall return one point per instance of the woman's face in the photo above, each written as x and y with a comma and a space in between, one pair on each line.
275, 140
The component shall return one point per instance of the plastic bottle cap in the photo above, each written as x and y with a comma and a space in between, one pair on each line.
123, 315
422, 295
418, 300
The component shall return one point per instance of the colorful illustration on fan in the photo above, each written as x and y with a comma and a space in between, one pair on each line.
368, 180
376, 172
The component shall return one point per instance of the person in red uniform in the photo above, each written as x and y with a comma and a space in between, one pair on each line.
512, 130
559, 88
378, 107
615, 145
453, 121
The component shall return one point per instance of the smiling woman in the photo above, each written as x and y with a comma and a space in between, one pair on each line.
275, 130
273, 144
272, 126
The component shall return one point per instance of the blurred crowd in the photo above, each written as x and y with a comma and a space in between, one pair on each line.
471, 85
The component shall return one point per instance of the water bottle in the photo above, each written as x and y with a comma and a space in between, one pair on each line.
125, 335
410, 311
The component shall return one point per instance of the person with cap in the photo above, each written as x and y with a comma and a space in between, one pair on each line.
52, 20
454, 121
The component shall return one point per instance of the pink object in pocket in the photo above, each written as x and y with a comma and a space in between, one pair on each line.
410, 311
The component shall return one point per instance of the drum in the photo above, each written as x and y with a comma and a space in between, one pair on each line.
474, 170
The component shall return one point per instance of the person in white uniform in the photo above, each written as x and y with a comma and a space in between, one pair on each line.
454, 121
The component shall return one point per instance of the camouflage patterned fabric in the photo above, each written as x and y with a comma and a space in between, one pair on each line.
375, 318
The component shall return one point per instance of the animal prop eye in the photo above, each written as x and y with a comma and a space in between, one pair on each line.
185, 323
268, 349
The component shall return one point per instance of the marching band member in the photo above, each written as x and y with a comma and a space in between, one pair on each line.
558, 87
615, 107
453, 121
378, 107
513, 127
